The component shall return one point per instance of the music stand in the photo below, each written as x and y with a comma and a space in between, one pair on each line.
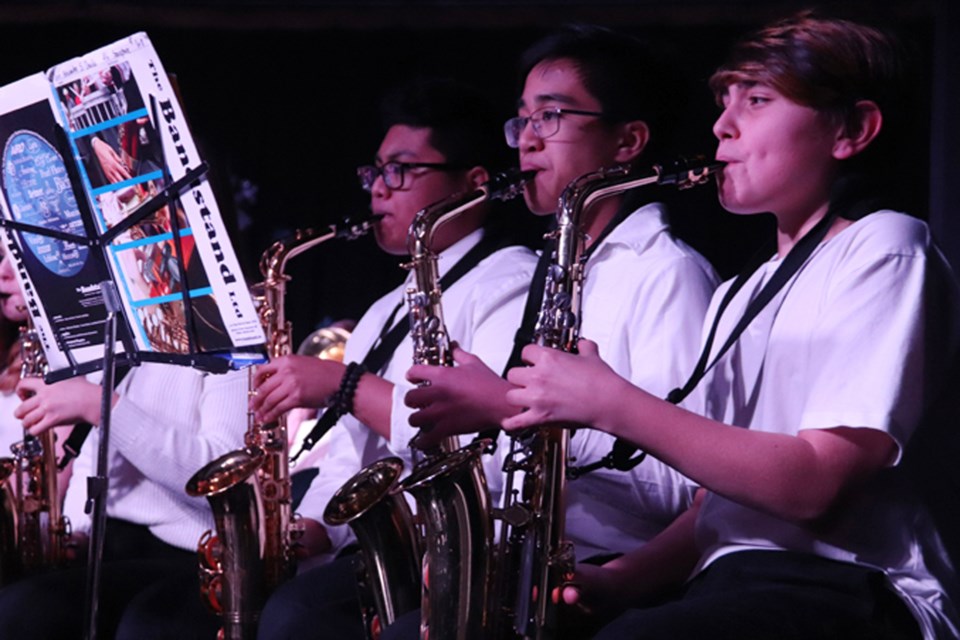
101, 263
98, 485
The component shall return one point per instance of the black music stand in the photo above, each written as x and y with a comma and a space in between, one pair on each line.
116, 320
72, 278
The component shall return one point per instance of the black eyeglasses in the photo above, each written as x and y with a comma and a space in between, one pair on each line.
545, 122
393, 172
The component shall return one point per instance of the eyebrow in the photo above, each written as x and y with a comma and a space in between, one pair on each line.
540, 99
396, 155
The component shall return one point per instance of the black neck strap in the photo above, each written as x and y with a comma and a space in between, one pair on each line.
381, 353
524, 334
622, 456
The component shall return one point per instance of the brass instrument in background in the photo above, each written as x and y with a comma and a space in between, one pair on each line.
249, 489
41, 527
327, 343
532, 544
454, 525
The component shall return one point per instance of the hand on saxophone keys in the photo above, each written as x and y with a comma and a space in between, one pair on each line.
558, 387
63, 403
293, 381
465, 398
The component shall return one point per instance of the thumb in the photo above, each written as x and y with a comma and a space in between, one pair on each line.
463, 357
588, 348
28, 387
571, 594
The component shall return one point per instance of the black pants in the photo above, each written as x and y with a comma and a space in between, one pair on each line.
407, 626
775, 595
318, 604
148, 590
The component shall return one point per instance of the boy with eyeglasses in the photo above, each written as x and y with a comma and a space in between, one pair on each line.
595, 99
824, 455
437, 144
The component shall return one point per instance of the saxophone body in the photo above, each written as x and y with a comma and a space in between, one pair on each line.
41, 527
9, 557
388, 575
532, 542
453, 528
249, 489
450, 486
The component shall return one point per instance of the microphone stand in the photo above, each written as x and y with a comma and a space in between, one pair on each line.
97, 485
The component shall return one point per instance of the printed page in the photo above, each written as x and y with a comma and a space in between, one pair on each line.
129, 141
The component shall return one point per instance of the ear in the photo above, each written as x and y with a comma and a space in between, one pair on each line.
477, 176
859, 130
634, 136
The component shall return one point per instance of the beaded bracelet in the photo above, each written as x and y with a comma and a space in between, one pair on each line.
343, 398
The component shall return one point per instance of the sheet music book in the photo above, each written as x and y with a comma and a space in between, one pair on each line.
89, 150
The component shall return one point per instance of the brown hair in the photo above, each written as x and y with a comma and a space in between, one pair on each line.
9, 355
827, 64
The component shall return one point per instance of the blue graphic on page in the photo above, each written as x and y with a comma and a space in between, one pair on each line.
38, 189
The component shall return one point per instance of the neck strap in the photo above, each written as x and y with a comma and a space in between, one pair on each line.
622, 456
381, 353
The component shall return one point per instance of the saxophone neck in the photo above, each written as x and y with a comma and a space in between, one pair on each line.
592, 187
270, 293
420, 238
502, 186
428, 333
273, 262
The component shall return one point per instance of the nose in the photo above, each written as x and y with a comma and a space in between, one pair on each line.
379, 189
529, 141
6, 269
725, 126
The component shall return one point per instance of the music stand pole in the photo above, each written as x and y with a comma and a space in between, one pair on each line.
97, 485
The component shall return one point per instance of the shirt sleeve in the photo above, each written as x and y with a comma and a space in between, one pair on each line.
169, 449
880, 313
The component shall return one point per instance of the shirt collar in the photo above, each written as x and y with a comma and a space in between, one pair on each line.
452, 254
638, 230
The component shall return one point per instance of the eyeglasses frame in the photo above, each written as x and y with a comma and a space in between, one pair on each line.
560, 111
378, 171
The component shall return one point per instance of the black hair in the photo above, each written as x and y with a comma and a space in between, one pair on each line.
468, 131
629, 79
465, 127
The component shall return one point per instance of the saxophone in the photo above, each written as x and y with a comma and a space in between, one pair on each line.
448, 485
532, 541
9, 558
41, 528
249, 488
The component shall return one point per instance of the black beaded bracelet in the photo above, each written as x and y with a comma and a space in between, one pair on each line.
343, 398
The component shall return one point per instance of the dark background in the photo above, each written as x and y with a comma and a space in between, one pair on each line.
283, 100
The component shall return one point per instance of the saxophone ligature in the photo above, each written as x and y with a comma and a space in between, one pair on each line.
249, 488
453, 528
532, 543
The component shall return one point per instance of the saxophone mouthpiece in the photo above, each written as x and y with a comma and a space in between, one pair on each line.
508, 184
687, 172
353, 228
